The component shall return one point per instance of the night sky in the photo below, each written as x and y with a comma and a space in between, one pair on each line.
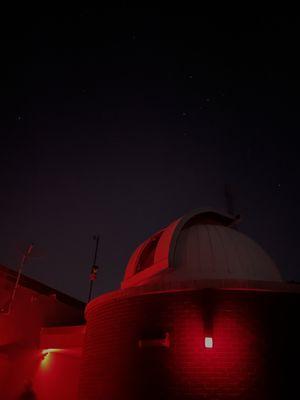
118, 121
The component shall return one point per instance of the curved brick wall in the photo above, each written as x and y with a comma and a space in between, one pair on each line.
255, 336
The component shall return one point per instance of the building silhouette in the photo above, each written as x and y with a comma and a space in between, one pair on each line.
202, 313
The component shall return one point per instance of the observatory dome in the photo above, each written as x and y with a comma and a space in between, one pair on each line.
202, 245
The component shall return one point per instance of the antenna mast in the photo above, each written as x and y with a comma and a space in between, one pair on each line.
93, 274
229, 199
24, 259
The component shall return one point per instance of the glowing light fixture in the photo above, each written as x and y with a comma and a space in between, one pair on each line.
208, 342
46, 355
44, 358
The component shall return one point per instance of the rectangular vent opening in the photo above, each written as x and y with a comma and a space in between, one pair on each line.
155, 339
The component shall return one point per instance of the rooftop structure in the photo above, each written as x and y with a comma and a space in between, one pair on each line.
202, 245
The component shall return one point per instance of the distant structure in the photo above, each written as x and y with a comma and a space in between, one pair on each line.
202, 313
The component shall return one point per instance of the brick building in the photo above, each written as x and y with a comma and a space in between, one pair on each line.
202, 313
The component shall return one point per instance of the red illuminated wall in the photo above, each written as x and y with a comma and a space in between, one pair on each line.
21, 341
255, 338
57, 376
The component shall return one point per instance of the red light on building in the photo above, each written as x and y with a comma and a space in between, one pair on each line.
44, 354
45, 358
208, 342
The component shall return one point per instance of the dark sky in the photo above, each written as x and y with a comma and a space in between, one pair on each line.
118, 121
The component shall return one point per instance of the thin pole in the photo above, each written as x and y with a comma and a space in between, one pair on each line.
22, 263
96, 249
229, 199
94, 263
90, 291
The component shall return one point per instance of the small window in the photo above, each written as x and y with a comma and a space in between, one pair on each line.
146, 258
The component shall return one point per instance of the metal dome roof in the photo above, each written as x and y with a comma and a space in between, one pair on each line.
199, 246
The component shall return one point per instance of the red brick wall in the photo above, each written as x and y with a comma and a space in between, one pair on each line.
255, 338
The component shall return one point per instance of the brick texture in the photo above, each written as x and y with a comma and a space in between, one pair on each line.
256, 347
